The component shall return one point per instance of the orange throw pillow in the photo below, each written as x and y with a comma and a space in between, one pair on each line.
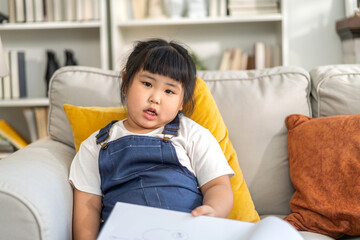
324, 161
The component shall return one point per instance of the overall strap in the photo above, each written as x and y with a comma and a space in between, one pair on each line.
103, 135
171, 129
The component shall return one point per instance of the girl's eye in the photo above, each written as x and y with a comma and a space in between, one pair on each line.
169, 91
147, 84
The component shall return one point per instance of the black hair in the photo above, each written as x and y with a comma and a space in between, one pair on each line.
169, 59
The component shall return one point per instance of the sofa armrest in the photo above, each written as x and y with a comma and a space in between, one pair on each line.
35, 195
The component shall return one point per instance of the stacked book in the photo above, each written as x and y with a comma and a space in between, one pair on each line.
264, 56
53, 10
252, 7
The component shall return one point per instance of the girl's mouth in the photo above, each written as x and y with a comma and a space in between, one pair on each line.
150, 114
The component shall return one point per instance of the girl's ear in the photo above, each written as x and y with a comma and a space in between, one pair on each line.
122, 77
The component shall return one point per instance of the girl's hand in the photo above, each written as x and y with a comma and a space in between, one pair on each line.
204, 210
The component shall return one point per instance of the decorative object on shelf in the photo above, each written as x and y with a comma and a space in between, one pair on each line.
196, 8
174, 8
156, 9
3, 18
69, 58
349, 33
4, 71
51, 67
351, 8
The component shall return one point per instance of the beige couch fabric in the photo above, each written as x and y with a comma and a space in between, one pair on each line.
335, 90
254, 105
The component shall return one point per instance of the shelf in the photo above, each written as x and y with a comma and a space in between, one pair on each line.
192, 21
49, 25
25, 102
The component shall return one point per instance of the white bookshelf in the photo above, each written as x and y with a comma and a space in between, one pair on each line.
87, 39
207, 37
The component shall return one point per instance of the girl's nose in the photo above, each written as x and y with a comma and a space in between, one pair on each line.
154, 100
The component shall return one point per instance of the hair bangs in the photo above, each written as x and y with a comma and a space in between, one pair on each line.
167, 63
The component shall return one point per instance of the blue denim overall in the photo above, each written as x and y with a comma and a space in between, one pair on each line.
146, 171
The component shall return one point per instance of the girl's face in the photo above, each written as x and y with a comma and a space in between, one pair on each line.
153, 101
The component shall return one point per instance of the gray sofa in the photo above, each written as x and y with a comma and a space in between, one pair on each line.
36, 198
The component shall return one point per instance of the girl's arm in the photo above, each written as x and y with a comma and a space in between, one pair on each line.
86, 215
218, 198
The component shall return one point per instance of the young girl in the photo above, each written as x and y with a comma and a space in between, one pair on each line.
156, 157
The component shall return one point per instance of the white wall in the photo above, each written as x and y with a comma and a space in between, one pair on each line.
313, 40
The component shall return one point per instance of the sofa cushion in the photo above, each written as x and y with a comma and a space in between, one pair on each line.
86, 120
254, 105
324, 160
335, 90
205, 113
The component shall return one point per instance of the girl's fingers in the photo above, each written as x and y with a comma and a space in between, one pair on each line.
204, 210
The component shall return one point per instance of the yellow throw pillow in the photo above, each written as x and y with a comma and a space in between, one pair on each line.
86, 120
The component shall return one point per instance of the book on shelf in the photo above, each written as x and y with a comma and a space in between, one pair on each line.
58, 10
39, 10
49, 10
29, 11
259, 52
19, 11
70, 10
30, 118
6, 80
14, 74
139, 9
236, 59
22, 74
10, 134
11, 11
87, 10
41, 116
223, 8
213, 8
79, 12
225, 60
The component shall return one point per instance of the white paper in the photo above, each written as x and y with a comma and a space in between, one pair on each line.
134, 222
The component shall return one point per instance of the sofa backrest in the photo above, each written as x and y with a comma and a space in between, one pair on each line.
335, 90
79, 86
254, 105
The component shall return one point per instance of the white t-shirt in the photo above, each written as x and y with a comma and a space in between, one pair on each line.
196, 148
